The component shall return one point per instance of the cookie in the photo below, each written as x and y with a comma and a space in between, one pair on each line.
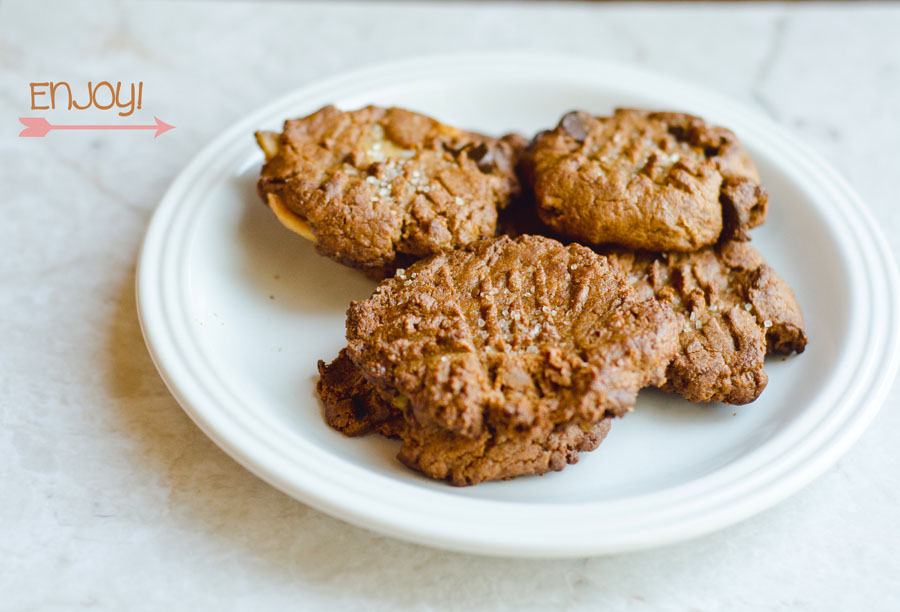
509, 342
354, 407
644, 180
377, 188
734, 309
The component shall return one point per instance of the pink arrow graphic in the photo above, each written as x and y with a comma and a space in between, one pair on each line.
37, 127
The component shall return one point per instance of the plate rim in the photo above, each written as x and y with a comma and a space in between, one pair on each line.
152, 310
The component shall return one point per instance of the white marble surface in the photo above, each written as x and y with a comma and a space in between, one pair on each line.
111, 499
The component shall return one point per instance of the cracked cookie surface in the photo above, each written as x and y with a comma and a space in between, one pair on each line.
381, 187
734, 309
521, 341
354, 407
644, 180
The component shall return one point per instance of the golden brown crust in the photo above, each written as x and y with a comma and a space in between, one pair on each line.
381, 187
354, 407
644, 180
463, 461
734, 309
503, 359
511, 334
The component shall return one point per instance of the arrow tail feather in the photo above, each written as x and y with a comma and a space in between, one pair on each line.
35, 127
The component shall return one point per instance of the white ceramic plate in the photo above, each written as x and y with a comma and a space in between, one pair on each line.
236, 311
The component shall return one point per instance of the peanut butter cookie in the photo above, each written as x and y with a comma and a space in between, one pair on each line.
377, 188
644, 180
517, 344
734, 310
